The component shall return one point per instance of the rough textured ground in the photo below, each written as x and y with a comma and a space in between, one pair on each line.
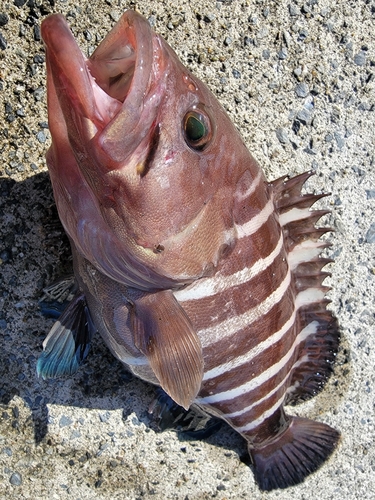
298, 80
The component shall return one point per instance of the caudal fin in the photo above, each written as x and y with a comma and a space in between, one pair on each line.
295, 454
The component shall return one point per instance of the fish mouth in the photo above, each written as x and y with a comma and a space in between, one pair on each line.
113, 95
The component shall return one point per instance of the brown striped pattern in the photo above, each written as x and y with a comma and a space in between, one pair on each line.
248, 315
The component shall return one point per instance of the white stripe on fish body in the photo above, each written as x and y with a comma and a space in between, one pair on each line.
269, 394
250, 355
256, 222
233, 324
265, 375
252, 188
211, 286
258, 421
303, 298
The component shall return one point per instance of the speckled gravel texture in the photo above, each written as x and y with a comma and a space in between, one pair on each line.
297, 78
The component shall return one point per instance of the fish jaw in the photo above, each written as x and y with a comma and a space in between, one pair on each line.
112, 91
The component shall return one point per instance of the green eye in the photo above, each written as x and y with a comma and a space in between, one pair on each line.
194, 128
197, 129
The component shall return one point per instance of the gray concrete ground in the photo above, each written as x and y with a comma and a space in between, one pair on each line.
297, 77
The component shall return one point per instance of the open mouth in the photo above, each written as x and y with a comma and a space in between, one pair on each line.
116, 91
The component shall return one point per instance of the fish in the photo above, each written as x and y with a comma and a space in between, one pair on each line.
201, 277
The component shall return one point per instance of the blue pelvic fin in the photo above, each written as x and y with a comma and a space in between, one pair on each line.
68, 343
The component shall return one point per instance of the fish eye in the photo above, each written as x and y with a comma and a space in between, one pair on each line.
197, 129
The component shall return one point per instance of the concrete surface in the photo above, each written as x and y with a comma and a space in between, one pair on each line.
298, 80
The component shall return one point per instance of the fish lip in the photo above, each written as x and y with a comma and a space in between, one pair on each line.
108, 104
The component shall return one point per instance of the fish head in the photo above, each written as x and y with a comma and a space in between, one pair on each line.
143, 156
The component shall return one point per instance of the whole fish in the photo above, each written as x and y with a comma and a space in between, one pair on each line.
201, 277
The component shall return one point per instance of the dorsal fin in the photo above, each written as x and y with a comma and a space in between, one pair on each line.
302, 239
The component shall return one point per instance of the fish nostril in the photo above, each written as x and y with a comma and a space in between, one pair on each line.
158, 249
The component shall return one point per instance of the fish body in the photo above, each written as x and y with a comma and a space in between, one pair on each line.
200, 275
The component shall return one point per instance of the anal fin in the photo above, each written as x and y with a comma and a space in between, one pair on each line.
164, 334
68, 343
296, 453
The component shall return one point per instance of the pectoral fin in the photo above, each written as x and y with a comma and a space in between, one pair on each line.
163, 332
68, 343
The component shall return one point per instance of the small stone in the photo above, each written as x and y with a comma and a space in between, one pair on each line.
266, 54
5, 256
370, 193
287, 37
19, 3
228, 41
360, 58
293, 10
304, 116
3, 42
296, 125
104, 417
16, 479
152, 21
208, 18
39, 59
36, 30
41, 137
303, 34
302, 90
306, 9
3, 19
282, 135
339, 140
87, 35
283, 54
38, 94
236, 73
115, 15
252, 19
65, 421
370, 235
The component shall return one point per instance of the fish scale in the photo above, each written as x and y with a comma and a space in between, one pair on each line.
200, 276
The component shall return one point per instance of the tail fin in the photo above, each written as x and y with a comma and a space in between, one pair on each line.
295, 454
